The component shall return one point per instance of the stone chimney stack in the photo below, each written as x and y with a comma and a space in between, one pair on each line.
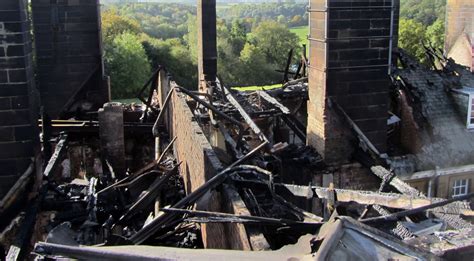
18, 103
207, 43
350, 54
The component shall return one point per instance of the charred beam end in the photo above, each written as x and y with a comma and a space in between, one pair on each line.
58, 152
244, 115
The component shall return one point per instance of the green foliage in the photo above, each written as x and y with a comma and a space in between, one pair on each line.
435, 34
411, 34
425, 12
275, 41
290, 14
127, 64
250, 48
174, 55
113, 24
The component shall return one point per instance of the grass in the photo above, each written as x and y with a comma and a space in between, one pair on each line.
302, 33
257, 88
127, 101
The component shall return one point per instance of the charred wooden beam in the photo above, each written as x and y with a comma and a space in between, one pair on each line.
215, 181
142, 170
390, 200
453, 220
244, 114
14, 193
287, 67
58, 153
148, 196
291, 122
395, 216
274, 102
231, 218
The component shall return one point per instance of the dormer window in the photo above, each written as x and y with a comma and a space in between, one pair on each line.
464, 100
470, 112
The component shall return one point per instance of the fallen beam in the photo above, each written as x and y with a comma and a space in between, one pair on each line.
190, 199
214, 217
274, 102
455, 207
390, 200
395, 216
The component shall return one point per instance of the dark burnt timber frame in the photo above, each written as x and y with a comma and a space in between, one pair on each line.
153, 81
215, 181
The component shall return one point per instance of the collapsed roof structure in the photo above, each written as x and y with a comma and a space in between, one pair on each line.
316, 169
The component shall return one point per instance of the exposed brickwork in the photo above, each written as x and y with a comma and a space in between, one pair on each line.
351, 176
69, 53
199, 164
18, 135
349, 57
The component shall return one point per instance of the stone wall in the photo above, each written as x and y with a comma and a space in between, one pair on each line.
18, 111
69, 54
459, 19
349, 57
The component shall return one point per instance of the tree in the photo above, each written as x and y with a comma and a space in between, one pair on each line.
113, 24
174, 55
425, 12
411, 37
435, 34
254, 69
275, 40
127, 64
238, 36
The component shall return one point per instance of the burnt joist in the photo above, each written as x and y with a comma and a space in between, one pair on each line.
58, 152
442, 212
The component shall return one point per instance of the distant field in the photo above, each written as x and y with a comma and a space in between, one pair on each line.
257, 88
127, 101
302, 32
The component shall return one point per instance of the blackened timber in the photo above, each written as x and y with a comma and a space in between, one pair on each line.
239, 218
142, 170
274, 102
58, 152
244, 114
14, 193
287, 67
290, 122
453, 220
215, 181
148, 196
405, 213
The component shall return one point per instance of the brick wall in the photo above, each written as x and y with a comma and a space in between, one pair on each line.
69, 53
199, 164
18, 135
459, 19
349, 57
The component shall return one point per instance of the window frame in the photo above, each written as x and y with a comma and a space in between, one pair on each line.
469, 112
462, 187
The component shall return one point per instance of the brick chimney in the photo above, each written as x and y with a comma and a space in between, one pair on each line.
69, 55
18, 111
350, 47
207, 42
